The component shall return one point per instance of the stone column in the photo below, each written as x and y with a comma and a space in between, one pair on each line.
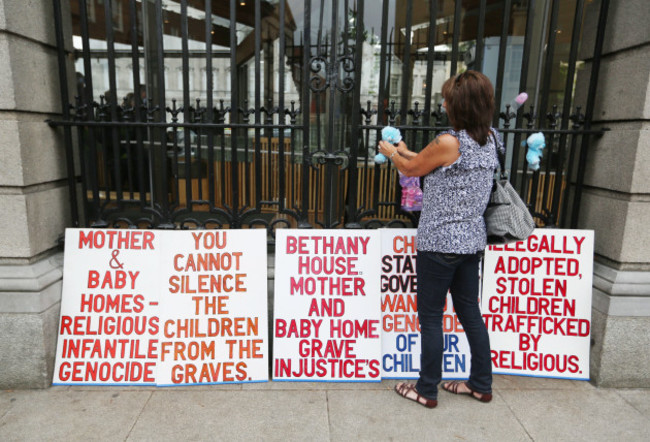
33, 193
616, 199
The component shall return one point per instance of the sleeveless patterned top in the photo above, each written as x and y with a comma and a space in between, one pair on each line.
455, 198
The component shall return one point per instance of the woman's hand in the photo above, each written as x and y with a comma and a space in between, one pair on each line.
404, 151
388, 149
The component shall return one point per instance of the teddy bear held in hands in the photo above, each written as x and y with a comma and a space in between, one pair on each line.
393, 136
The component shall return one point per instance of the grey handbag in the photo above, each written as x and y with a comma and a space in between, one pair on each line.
507, 218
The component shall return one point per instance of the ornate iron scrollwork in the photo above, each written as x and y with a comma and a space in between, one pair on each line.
438, 114
292, 112
578, 118
416, 113
392, 113
338, 158
368, 112
331, 77
554, 117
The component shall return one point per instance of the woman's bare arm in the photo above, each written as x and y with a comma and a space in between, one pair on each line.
442, 151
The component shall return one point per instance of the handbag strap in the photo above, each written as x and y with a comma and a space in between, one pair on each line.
502, 158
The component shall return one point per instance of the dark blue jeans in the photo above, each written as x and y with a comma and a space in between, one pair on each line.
437, 273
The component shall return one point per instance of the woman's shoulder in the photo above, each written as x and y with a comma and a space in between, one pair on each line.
473, 155
461, 135
449, 140
466, 140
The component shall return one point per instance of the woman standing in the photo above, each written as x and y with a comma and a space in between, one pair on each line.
458, 168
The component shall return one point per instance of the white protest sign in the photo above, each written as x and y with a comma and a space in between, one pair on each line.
537, 304
327, 306
151, 307
108, 328
400, 325
214, 325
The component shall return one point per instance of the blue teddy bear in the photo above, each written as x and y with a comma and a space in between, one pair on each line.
536, 143
393, 136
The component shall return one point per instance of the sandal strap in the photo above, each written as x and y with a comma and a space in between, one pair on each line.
405, 388
484, 397
452, 386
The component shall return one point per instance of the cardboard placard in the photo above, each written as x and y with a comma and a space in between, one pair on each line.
327, 306
400, 325
214, 324
537, 304
149, 307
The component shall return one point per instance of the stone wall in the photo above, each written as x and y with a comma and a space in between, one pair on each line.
33, 193
616, 199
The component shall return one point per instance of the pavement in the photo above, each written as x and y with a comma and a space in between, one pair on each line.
523, 408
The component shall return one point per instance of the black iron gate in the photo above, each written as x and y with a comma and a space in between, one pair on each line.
266, 113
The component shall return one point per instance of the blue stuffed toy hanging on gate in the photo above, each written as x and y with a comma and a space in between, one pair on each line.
536, 144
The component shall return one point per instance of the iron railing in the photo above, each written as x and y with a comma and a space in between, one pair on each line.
256, 159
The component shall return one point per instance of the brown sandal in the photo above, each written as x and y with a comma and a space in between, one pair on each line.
405, 389
453, 386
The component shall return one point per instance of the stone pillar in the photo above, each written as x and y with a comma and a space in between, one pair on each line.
33, 193
616, 199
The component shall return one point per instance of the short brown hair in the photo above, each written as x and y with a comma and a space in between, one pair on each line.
470, 104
